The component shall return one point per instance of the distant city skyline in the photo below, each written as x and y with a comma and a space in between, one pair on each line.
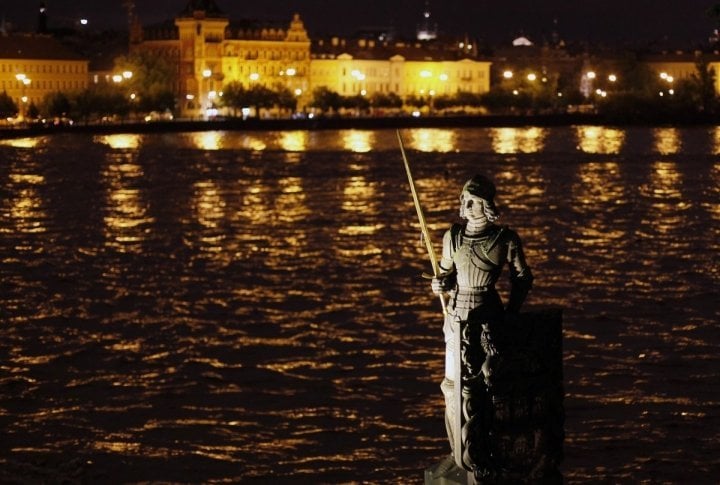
668, 22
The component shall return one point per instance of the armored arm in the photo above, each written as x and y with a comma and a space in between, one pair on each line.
446, 280
521, 277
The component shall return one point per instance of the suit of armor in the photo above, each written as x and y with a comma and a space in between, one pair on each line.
472, 262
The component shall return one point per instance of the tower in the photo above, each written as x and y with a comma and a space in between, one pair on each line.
426, 29
201, 30
42, 19
135, 30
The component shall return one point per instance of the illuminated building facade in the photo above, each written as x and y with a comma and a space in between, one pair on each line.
32, 66
366, 67
210, 51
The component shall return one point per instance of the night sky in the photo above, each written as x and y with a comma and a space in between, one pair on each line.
680, 23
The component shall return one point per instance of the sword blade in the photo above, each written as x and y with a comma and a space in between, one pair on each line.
421, 219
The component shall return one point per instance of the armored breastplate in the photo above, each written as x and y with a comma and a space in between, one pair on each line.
477, 260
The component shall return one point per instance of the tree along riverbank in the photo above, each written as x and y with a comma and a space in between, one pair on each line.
338, 123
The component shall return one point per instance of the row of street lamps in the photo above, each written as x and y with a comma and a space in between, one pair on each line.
587, 79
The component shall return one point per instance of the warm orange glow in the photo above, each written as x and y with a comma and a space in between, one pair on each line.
518, 140
432, 140
127, 222
358, 141
667, 140
23, 142
599, 139
207, 140
294, 141
120, 141
27, 208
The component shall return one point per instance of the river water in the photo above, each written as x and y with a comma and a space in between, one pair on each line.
247, 307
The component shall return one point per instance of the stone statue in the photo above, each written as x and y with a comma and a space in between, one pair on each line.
473, 257
503, 369
488, 371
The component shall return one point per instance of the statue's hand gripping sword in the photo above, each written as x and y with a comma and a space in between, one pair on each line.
421, 218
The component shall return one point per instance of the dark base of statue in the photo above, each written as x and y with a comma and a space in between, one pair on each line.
518, 431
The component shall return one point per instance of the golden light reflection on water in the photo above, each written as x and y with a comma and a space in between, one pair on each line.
715, 135
432, 140
27, 208
255, 207
667, 140
294, 141
518, 140
207, 140
120, 141
359, 197
357, 230
24, 142
599, 183
598, 192
600, 139
714, 209
358, 141
665, 180
117, 446
291, 204
531, 191
209, 207
290, 209
667, 203
127, 223
255, 144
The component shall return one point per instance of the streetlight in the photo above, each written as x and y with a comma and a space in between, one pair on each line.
206, 74
25, 82
669, 79
586, 83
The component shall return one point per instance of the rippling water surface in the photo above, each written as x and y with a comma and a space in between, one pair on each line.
219, 307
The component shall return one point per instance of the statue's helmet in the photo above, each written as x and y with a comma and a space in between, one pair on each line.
483, 188
480, 186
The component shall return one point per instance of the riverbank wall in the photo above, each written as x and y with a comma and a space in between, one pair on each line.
342, 123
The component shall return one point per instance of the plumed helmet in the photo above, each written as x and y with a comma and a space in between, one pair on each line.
480, 186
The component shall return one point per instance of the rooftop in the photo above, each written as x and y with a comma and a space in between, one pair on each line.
34, 46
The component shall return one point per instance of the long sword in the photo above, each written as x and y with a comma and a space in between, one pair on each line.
421, 219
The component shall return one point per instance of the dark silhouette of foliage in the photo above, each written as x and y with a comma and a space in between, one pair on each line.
8, 108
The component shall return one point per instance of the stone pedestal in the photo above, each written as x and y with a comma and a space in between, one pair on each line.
448, 473
518, 414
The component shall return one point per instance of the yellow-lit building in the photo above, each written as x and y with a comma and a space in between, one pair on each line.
672, 68
678, 66
366, 67
32, 66
210, 51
